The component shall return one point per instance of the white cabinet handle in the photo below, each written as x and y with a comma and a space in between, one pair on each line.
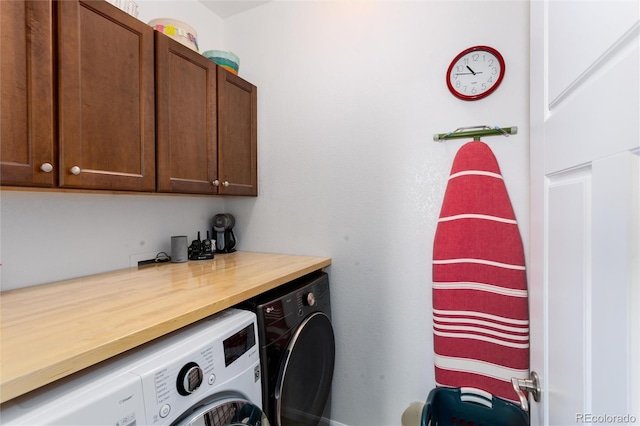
75, 170
46, 167
216, 182
225, 183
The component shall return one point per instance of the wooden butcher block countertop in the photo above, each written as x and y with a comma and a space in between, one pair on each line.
53, 330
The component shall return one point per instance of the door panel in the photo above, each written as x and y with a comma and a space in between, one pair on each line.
585, 219
569, 222
573, 52
592, 238
597, 118
614, 251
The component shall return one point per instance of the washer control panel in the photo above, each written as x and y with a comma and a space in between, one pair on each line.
217, 356
167, 387
312, 297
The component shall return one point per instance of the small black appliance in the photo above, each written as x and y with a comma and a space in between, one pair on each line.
223, 232
201, 249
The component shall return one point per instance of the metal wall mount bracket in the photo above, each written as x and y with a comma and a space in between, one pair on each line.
531, 385
476, 132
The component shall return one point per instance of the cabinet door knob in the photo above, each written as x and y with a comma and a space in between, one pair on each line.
216, 182
75, 170
46, 167
225, 183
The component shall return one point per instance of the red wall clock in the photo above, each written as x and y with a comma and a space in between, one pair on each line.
475, 73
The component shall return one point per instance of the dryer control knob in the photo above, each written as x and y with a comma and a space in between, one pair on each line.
309, 299
189, 379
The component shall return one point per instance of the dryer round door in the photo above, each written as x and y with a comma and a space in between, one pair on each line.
225, 412
304, 381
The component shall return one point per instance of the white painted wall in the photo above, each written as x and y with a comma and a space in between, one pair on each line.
52, 236
349, 97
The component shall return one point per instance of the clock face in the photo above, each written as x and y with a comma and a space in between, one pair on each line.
475, 73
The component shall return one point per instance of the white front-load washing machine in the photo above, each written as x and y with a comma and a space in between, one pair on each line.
207, 373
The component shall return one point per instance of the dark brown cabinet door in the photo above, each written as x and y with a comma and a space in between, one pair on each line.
106, 98
27, 130
186, 119
237, 135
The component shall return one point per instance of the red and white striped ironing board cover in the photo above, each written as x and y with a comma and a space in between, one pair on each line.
480, 304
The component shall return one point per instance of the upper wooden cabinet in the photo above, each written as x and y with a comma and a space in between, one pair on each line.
237, 135
186, 119
27, 129
206, 125
93, 123
106, 98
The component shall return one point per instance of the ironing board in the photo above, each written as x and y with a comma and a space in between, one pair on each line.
480, 303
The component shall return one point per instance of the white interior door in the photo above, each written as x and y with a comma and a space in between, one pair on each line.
585, 227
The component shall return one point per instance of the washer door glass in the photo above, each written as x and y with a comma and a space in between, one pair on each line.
306, 373
226, 412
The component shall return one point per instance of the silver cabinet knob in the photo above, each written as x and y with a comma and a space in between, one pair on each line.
46, 167
225, 183
75, 170
216, 182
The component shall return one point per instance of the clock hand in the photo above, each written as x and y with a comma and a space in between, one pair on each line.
469, 73
472, 72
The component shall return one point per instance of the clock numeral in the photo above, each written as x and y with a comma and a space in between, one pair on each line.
495, 71
475, 57
490, 62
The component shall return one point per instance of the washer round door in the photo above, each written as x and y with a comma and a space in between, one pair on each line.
225, 412
304, 382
